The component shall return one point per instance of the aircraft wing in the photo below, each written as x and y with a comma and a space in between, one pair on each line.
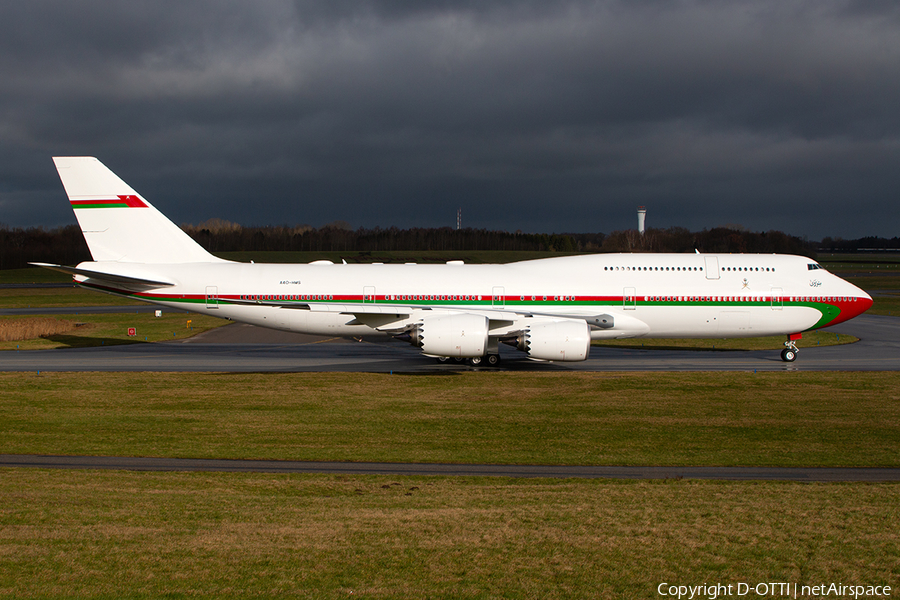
365, 312
387, 317
396, 317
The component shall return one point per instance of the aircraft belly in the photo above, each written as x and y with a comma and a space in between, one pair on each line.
293, 320
685, 321
303, 321
738, 321
327, 324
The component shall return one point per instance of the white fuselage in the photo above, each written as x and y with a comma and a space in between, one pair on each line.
659, 295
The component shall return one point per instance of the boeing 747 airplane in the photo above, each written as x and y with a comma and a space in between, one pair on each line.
550, 309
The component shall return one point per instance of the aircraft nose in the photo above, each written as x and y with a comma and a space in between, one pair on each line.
862, 304
865, 301
855, 303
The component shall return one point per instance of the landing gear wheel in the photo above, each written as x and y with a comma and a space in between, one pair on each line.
492, 360
788, 355
476, 361
443, 359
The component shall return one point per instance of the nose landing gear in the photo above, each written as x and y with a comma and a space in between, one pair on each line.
789, 354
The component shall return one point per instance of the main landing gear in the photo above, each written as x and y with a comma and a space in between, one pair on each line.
789, 354
488, 360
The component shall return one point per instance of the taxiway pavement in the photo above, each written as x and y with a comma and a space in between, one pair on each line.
126, 463
244, 348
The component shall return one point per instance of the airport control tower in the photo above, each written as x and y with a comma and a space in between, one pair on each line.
642, 214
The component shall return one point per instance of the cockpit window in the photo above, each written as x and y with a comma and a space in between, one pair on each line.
813, 266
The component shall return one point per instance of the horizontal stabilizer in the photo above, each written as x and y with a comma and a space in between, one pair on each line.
107, 277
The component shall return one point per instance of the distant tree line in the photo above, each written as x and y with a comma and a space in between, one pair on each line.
65, 245
221, 236
865, 243
339, 237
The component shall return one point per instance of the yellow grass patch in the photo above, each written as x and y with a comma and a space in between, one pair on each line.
12, 330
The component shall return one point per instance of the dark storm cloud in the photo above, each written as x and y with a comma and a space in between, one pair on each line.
535, 116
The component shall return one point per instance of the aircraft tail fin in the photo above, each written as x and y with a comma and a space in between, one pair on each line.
118, 224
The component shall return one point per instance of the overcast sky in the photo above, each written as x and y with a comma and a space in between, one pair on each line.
540, 116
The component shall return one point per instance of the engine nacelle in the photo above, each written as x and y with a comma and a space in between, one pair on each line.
456, 335
556, 339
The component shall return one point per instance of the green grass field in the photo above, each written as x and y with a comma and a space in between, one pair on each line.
781, 419
76, 534
60, 297
32, 275
99, 534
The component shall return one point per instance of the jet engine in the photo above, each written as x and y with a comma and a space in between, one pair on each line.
554, 339
456, 335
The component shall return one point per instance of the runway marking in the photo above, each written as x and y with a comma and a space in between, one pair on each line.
321, 341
